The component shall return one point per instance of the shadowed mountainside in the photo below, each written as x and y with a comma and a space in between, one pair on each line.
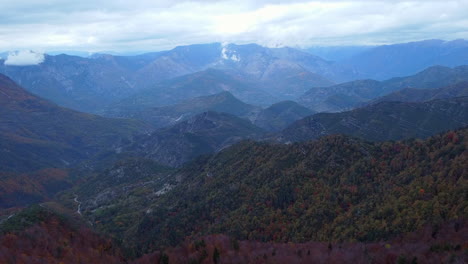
280, 115
201, 134
422, 95
36, 133
383, 121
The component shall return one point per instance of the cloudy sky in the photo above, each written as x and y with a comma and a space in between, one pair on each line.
151, 25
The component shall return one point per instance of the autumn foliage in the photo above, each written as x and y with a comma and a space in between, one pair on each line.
440, 244
336, 189
20, 189
40, 236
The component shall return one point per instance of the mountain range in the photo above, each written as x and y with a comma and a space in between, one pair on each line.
225, 153
91, 84
349, 95
209, 132
337, 53
384, 121
459, 89
29, 129
396, 60
273, 118
182, 88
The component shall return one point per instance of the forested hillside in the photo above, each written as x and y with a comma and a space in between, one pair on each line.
334, 189
383, 121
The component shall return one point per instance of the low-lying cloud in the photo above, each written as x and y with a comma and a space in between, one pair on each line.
25, 57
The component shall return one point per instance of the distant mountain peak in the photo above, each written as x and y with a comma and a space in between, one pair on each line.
226, 95
435, 68
210, 120
279, 115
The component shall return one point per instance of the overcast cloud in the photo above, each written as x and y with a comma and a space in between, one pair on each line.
124, 26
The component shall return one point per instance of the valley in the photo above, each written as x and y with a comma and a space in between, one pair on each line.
237, 153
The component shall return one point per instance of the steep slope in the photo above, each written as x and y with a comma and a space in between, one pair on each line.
330, 190
403, 59
202, 134
278, 116
223, 102
37, 134
285, 73
384, 121
348, 95
22, 189
181, 60
333, 71
39, 235
421, 95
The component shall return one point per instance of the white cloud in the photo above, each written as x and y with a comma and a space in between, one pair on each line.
26, 57
148, 25
228, 54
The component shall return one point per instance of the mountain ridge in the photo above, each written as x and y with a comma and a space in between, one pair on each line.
349, 95
88, 84
421, 95
387, 61
223, 102
384, 121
